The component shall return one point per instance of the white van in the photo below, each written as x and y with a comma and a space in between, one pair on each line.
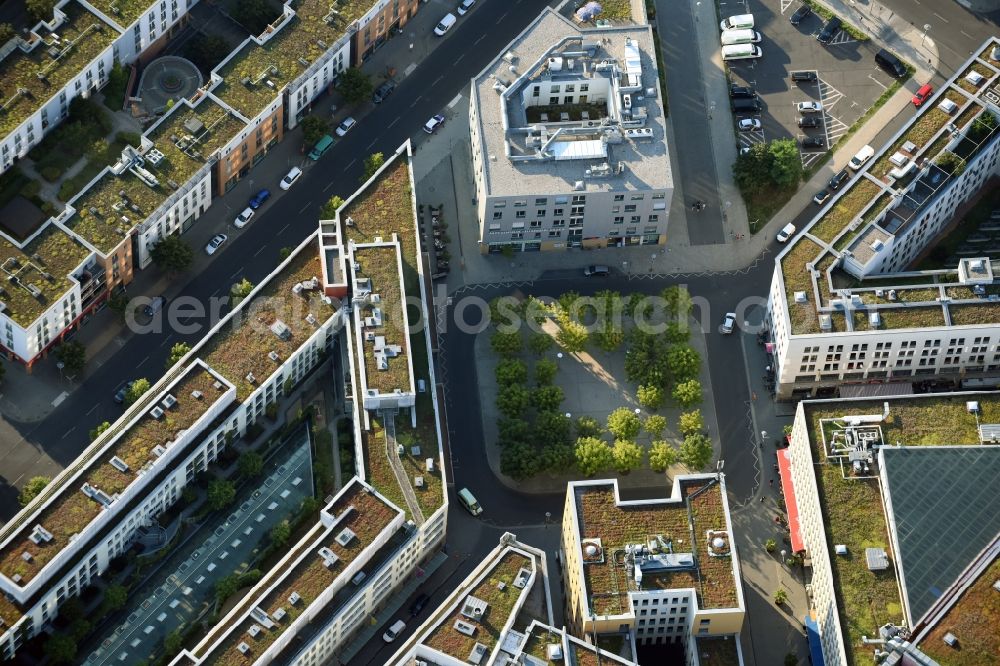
863, 156
739, 22
740, 52
445, 25
468, 500
746, 36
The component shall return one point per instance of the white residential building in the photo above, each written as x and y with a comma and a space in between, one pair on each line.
68, 56
843, 306
569, 141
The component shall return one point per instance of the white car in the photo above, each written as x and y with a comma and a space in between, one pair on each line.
810, 107
214, 244
465, 7
728, 323
431, 125
346, 126
786, 232
243, 219
395, 630
445, 25
749, 124
290, 178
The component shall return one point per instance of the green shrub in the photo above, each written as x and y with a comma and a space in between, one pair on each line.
50, 173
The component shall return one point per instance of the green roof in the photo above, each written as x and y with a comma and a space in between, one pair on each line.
46, 263
945, 512
122, 12
317, 25
187, 138
58, 57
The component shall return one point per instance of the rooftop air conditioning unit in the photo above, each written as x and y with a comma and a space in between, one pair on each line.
273, 355
197, 395
359, 578
156, 412
119, 464
169, 401
243, 648
158, 450
294, 598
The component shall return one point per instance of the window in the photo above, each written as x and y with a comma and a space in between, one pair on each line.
535, 91
630, 208
499, 204
542, 202
554, 89
520, 204
619, 197
558, 223
520, 214
498, 215
653, 219
637, 197
535, 224
553, 100
584, 87
579, 199
539, 213
619, 220
557, 211
555, 233
570, 88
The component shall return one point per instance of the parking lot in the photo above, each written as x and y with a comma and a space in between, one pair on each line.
847, 81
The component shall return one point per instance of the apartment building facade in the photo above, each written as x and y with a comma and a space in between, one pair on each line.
569, 140
844, 304
72, 55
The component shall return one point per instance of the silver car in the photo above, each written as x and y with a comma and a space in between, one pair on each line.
214, 244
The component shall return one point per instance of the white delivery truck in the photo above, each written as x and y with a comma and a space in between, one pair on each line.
740, 52
746, 36
739, 22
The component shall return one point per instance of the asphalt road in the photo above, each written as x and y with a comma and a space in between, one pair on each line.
445, 73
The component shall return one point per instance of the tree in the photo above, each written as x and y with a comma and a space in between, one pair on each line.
692, 423
506, 344
177, 352
73, 356
314, 128
655, 425
661, 455
512, 430
373, 163
519, 461
770, 545
59, 648
221, 494
136, 390
250, 464
98, 430
545, 371
592, 456
646, 358
752, 170
547, 398
241, 290
683, 362
281, 533
539, 343
173, 643
678, 301
206, 51
6, 33
627, 455
511, 371
780, 597
226, 587
609, 337
687, 393
513, 400
31, 489
551, 428
41, 10
696, 451
254, 15
354, 85
649, 396
588, 426
284, 252
118, 302
623, 423
557, 458
786, 163
330, 208
115, 597
677, 332
172, 254
572, 336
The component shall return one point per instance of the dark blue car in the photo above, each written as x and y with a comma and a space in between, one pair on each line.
258, 199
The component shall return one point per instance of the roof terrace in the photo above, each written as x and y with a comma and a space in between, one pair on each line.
384, 322
35, 277
886, 198
481, 623
255, 76
29, 78
682, 522
183, 142
277, 318
286, 593
79, 500
717, 651
868, 599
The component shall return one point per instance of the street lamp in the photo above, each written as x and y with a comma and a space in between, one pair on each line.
568, 415
61, 365
927, 28
763, 437
637, 411
625, 267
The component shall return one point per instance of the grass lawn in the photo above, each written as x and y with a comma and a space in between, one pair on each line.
763, 204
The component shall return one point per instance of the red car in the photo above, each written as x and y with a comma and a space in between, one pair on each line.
923, 94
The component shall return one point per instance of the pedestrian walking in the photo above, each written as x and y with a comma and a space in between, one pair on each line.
761, 498
771, 483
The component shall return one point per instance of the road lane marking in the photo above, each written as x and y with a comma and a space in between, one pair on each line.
303, 209
66, 434
884, 87
481, 38
256, 253
59, 398
966, 34
456, 100
91, 411
350, 164
502, 17
409, 69
166, 340
941, 17
282, 229
143, 361
392, 123
370, 145
438, 80
328, 186
458, 59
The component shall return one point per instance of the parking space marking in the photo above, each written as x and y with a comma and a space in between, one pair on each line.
828, 95
809, 158
785, 4
882, 85
841, 38
835, 128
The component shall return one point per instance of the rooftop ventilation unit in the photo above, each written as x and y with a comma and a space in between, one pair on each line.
40, 535
169, 401
197, 395
158, 450
464, 628
243, 648
825, 322
280, 329
154, 157
119, 464
156, 412
218, 386
278, 614
250, 378
972, 406
474, 607
329, 557
253, 630
311, 320
359, 578
522, 578
273, 355
800, 297
294, 598
874, 319
345, 536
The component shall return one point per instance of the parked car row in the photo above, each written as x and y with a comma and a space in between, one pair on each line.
446, 24
739, 39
